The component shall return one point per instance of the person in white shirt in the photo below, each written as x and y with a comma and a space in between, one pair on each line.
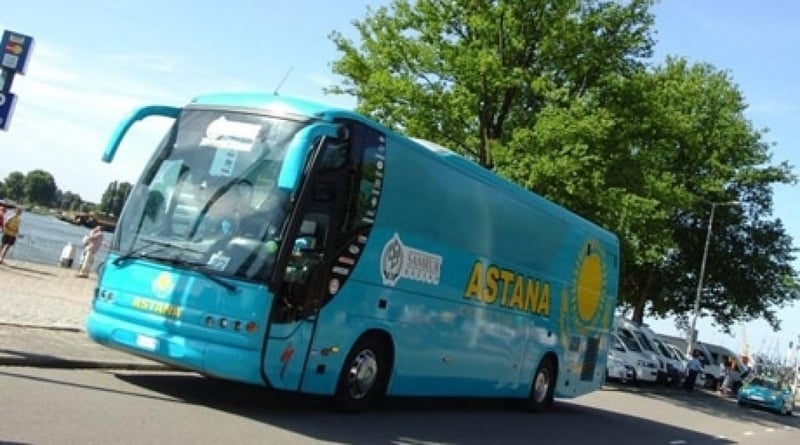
91, 245
693, 368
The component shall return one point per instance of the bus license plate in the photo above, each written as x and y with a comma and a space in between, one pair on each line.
146, 342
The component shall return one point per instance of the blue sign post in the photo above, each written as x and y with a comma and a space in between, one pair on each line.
7, 102
15, 50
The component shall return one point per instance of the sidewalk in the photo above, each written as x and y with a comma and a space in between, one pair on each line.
43, 310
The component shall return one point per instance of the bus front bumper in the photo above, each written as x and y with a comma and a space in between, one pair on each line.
181, 352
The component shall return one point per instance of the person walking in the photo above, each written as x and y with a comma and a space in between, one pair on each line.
91, 245
10, 233
693, 368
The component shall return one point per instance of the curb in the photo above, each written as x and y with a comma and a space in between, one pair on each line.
59, 363
55, 356
42, 327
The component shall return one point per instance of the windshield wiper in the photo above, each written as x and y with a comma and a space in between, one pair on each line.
139, 252
200, 268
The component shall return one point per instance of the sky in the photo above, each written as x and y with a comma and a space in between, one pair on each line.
95, 60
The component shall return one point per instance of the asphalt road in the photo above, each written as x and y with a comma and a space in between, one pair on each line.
42, 406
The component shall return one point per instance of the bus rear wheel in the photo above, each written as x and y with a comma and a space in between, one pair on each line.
544, 383
364, 375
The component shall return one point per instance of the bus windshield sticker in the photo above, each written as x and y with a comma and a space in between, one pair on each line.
400, 261
218, 261
223, 163
230, 135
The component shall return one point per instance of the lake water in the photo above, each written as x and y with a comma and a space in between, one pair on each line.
44, 236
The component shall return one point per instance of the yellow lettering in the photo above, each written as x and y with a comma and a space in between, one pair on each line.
474, 285
155, 307
517, 301
490, 293
531, 295
543, 308
507, 277
484, 284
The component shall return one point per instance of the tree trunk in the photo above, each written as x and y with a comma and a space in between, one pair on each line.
641, 301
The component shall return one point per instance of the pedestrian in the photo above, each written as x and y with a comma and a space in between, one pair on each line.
728, 377
10, 233
693, 368
2, 216
91, 245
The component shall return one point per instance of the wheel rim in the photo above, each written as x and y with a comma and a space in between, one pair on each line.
541, 386
363, 374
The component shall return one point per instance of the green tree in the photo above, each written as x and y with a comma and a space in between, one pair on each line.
466, 73
114, 197
40, 188
15, 186
645, 155
69, 201
557, 97
694, 147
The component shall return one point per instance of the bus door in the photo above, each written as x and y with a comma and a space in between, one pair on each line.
321, 225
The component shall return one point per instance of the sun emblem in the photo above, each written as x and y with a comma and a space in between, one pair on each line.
163, 285
585, 303
589, 285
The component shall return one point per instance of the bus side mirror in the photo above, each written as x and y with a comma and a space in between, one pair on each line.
299, 149
127, 123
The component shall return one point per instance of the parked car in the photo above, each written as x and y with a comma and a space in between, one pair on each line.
711, 374
769, 393
617, 368
631, 332
628, 350
684, 360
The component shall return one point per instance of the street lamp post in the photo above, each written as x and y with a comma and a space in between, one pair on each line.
696, 313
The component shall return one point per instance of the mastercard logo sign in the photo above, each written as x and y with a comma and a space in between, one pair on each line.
13, 48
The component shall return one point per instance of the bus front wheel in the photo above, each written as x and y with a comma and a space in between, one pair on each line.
543, 386
364, 375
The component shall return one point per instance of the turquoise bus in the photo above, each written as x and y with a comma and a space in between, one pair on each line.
284, 243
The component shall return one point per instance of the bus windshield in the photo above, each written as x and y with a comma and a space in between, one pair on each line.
209, 197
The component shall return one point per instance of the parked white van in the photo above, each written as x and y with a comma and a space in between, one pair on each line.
680, 354
629, 351
674, 366
630, 330
618, 368
708, 377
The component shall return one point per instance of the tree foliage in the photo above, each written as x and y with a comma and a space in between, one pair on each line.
39, 187
560, 97
14, 186
466, 73
114, 198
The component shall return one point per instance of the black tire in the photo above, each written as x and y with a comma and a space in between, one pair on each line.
540, 398
364, 375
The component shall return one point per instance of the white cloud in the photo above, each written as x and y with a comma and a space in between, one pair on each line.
65, 113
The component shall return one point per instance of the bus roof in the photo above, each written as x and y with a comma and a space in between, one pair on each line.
266, 102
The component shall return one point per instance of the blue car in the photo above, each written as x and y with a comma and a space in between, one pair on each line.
769, 393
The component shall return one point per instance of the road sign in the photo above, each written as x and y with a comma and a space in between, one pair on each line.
16, 50
7, 102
